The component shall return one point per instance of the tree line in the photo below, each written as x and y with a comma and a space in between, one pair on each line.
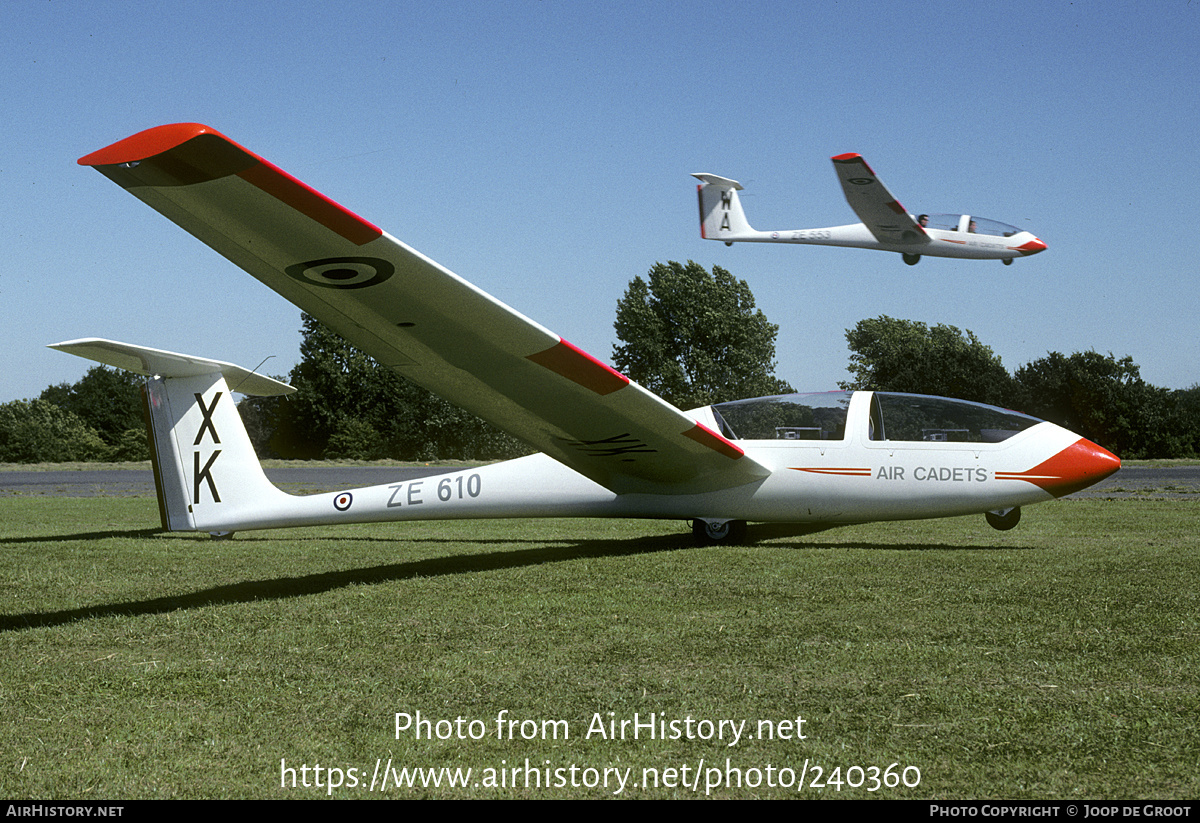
692, 336
1099, 396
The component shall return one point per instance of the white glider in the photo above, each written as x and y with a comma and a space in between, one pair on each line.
885, 225
609, 448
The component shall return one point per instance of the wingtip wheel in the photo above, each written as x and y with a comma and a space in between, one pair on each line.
711, 532
1004, 519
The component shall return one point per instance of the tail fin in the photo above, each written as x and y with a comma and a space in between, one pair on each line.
721, 215
206, 473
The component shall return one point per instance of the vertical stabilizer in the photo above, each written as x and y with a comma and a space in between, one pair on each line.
721, 215
206, 473
205, 468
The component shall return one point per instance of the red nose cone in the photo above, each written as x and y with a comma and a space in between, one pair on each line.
1032, 247
1072, 469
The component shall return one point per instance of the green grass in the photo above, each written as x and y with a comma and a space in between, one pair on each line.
1058, 660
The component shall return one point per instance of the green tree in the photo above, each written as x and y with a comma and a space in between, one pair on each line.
695, 338
349, 406
1105, 400
38, 431
261, 415
108, 400
907, 356
1185, 421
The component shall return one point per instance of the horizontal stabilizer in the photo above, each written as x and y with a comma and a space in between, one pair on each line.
151, 362
719, 182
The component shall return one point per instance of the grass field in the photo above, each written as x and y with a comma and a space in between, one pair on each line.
1058, 660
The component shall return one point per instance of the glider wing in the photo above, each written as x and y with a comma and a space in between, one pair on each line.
880, 212
420, 319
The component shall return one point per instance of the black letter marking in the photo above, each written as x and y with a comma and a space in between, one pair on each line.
614, 446
203, 474
208, 421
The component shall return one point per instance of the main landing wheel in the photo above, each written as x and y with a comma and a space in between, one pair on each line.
1003, 520
1008, 261
911, 259
710, 532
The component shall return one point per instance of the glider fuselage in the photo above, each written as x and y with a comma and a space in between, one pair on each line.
832, 460
942, 243
854, 483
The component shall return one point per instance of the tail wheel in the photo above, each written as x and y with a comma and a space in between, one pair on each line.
710, 532
1004, 519
911, 259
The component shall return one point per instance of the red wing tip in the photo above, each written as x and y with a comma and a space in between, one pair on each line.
147, 144
846, 158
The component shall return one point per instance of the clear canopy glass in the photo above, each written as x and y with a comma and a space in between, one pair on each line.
974, 225
820, 416
920, 418
893, 416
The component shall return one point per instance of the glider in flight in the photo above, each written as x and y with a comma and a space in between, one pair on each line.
607, 447
885, 225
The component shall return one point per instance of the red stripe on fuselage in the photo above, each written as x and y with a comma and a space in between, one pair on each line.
847, 472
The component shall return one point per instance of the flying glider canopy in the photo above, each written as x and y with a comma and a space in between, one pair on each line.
971, 224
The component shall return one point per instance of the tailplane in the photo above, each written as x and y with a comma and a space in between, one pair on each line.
721, 215
206, 473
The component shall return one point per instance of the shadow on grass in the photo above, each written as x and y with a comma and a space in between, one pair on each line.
82, 536
287, 587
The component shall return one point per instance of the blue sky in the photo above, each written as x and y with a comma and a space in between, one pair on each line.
542, 151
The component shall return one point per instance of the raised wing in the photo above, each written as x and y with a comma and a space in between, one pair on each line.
880, 212
420, 319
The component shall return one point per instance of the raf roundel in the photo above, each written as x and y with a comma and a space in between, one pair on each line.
342, 501
342, 272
